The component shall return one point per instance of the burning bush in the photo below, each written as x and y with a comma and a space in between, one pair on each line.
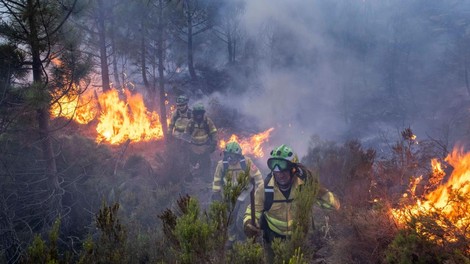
432, 210
440, 220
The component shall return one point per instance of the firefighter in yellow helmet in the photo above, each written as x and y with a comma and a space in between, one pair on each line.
177, 148
228, 169
273, 199
180, 118
202, 135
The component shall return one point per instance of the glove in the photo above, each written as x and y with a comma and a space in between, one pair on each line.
328, 201
251, 230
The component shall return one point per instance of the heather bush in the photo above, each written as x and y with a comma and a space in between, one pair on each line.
302, 215
439, 235
46, 251
361, 235
196, 236
111, 245
247, 252
344, 169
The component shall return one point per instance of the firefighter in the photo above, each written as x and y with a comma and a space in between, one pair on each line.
180, 118
273, 199
177, 148
228, 169
202, 135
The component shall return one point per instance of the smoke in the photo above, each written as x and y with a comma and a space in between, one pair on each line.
297, 105
296, 89
345, 69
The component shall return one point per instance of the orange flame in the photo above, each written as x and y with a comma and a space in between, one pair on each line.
56, 62
251, 145
436, 167
414, 183
121, 121
459, 179
79, 107
441, 198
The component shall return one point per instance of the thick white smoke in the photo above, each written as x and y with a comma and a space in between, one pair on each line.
299, 96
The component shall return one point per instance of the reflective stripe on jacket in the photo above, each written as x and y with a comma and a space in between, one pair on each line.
233, 172
179, 122
279, 216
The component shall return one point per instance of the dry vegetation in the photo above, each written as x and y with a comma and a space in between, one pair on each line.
125, 220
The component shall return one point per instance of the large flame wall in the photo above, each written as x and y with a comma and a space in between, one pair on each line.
121, 116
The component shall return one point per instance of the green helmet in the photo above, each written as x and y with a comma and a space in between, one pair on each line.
182, 100
233, 147
282, 158
199, 107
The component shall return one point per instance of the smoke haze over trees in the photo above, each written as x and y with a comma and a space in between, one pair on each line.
346, 69
313, 70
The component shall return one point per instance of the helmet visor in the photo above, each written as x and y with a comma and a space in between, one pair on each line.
278, 164
229, 156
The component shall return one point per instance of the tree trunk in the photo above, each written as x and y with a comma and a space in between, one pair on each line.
192, 72
234, 49
230, 49
102, 43
161, 77
113, 46
55, 203
115, 70
143, 50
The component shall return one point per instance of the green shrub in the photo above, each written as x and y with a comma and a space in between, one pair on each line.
200, 237
285, 250
41, 251
247, 252
193, 234
297, 258
111, 246
409, 247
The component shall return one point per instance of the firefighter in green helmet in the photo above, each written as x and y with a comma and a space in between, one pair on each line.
202, 135
228, 170
274, 198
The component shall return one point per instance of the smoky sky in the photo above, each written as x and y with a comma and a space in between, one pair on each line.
346, 69
299, 87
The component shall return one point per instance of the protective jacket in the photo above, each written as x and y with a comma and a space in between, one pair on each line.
278, 212
178, 122
203, 134
225, 172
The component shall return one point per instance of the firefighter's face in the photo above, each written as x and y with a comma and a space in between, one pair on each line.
233, 158
198, 115
283, 179
182, 107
